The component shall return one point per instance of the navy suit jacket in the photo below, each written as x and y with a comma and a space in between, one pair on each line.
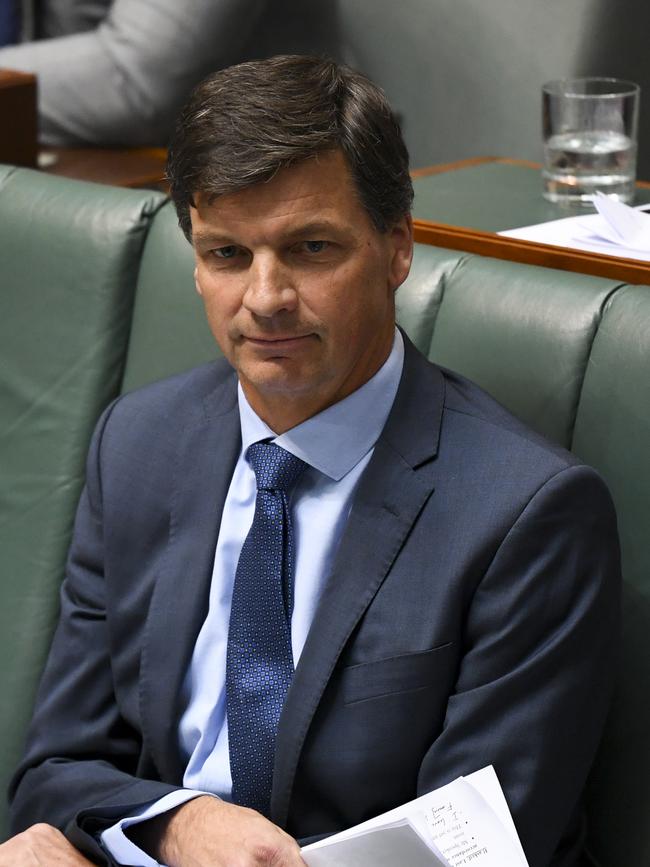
470, 618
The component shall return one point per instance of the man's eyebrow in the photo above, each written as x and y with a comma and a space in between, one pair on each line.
207, 237
314, 228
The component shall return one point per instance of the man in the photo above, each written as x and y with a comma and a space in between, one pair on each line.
444, 580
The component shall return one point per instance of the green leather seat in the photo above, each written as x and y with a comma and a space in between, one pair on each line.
418, 300
169, 331
613, 434
69, 256
565, 352
524, 334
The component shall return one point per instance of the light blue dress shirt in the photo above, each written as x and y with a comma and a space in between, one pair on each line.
337, 445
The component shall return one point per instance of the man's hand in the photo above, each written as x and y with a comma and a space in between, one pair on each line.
41, 846
206, 832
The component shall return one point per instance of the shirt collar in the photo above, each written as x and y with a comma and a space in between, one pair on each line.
336, 439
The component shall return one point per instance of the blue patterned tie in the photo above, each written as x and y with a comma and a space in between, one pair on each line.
259, 664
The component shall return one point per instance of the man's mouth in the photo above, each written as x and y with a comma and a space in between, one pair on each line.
277, 341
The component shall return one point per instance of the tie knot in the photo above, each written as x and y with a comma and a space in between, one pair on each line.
275, 468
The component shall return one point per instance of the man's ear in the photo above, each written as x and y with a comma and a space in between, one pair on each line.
401, 237
196, 281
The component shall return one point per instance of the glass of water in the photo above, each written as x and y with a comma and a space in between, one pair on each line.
590, 138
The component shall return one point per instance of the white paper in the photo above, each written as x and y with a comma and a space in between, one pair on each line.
487, 785
398, 843
468, 832
466, 821
616, 230
626, 226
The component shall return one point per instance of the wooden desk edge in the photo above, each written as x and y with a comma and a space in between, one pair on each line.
530, 252
14, 78
124, 167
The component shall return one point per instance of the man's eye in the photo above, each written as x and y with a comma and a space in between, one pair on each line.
225, 252
316, 246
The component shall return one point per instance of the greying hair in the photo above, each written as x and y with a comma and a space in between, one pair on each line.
243, 124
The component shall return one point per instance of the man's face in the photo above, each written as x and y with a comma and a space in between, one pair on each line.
298, 287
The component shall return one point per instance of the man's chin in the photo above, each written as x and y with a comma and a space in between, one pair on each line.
281, 380
280, 384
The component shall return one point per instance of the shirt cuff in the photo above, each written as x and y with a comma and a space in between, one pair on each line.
123, 850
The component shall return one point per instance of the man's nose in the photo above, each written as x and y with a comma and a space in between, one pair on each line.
270, 288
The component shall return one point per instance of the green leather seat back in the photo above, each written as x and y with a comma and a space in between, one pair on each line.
169, 331
418, 299
522, 333
613, 434
69, 255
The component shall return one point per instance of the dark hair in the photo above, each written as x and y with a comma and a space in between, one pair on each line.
242, 124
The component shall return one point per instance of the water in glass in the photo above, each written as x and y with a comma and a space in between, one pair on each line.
577, 164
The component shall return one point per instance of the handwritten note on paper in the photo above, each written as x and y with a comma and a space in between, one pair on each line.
449, 830
467, 831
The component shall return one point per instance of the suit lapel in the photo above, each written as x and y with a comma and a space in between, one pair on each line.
392, 491
207, 452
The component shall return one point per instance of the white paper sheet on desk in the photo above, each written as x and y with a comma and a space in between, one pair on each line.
616, 230
464, 822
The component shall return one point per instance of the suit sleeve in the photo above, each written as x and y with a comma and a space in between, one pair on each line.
82, 765
535, 679
123, 83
